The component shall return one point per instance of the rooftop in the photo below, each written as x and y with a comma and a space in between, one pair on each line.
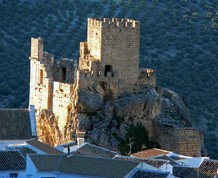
83, 165
11, 161
93, 150
43, 147
151, 161
208, 168
140, 173
153, 152
18, 125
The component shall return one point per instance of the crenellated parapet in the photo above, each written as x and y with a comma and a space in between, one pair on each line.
113, 22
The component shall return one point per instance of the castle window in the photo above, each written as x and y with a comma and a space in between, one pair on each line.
41, 76
63, 74
108, 68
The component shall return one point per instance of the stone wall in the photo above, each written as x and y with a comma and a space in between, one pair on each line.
61, 102
114, 43
50, 80
184, 140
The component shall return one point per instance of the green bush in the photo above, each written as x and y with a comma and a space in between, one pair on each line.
138, 136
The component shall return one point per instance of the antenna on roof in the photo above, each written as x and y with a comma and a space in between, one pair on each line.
144, 147
130, 146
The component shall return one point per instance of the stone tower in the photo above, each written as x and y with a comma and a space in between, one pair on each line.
111, 54
40, 82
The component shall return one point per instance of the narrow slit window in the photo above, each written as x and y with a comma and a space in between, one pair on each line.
41, 76
63, 74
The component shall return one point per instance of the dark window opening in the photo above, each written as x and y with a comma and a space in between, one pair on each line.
41, 76
108, 68
13, 175
63, 74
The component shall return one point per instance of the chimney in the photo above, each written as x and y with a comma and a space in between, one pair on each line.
80, 138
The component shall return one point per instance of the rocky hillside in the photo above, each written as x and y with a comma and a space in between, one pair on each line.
114, 123
178, 39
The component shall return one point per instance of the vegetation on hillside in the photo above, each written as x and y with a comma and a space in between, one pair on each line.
136, 139
178, 38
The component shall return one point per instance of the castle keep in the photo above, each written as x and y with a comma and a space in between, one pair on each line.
109, 62
108, 67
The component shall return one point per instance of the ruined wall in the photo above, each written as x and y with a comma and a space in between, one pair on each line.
40, 76
65, 71
184, 140
61, 102
50, 80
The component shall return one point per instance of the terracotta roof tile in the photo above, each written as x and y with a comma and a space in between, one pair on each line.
150, 153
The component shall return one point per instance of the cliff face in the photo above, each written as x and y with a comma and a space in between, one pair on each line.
104, 121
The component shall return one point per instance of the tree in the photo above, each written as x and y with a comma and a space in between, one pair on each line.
136, 138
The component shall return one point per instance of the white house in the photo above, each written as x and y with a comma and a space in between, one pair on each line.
12, 164
64, 166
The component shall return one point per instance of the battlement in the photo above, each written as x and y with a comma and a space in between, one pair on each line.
114, 22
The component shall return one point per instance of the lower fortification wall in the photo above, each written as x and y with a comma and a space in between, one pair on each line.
185, 141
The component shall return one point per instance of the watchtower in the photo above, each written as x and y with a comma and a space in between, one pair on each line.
113, 45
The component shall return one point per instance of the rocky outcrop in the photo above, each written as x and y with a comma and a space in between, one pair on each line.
106, 121
47, 128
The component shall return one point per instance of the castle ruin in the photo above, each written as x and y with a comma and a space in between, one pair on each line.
108, 65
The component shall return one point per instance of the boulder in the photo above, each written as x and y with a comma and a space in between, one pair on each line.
90, 101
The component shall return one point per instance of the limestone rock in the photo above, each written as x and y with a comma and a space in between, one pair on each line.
84, 123
104, 139
138, 105
90, 101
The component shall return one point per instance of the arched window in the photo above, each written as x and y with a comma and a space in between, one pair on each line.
108, 68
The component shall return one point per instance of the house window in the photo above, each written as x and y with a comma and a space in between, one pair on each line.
108, 68
13, 175
63, 74
41, 76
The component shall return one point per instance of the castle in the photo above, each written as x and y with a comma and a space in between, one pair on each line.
109, 61
108, 64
